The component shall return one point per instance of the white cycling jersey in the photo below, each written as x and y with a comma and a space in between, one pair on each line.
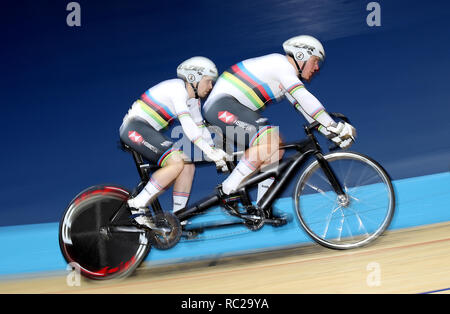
258, 81
195, 108
163, 103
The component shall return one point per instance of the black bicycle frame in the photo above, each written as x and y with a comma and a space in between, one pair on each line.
283, 174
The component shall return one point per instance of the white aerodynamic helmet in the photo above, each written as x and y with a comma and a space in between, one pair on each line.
192, 70
303, 47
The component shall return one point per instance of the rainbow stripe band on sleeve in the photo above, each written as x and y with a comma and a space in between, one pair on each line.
297, 106
291, 90
197, 140
163, 159
183, 114
317, 113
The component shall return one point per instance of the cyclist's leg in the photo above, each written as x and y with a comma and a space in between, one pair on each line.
264, 148
182, 187
170, 170
156, 148
266, 151
245, 128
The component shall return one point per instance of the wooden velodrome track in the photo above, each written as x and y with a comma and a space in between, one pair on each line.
413, 260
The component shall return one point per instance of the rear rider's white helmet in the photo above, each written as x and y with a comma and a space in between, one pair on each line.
192, 70
301, 48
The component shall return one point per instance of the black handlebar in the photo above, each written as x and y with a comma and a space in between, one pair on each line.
315, 125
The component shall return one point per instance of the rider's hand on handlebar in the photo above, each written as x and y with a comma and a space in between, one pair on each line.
218, 156
222, 165
343, 134
344, 144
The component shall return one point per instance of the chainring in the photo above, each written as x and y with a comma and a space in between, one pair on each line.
257, 224
167, 240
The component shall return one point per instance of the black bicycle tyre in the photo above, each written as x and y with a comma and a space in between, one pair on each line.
81, 206
363, 158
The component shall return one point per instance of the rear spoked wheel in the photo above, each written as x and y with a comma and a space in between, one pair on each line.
351, 220
90, 242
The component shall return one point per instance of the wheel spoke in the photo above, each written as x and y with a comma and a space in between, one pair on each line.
328, 220
318, 190
360, 222
349, 171
342, 220
354, 191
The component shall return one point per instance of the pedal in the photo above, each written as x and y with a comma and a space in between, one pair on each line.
254, 219
276, 222
190, 234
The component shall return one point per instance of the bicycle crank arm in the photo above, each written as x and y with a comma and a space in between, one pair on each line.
161, 231
131, 229
250, 217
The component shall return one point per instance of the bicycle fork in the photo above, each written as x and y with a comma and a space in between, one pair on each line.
331, 176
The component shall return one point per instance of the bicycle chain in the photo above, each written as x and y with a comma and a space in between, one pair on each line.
224, 235
229, 234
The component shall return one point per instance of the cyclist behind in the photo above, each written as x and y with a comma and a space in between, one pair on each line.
244, 89
150, 115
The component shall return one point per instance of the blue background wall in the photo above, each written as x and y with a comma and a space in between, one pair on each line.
64, 90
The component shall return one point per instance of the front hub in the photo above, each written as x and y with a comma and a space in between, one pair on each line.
343, 200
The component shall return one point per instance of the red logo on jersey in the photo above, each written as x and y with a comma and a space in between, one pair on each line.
227, 117
135, 137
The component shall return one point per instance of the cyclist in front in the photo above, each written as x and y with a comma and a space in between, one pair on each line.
143, 126
244, 89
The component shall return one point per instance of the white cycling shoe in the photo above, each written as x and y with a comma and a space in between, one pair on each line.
141, 217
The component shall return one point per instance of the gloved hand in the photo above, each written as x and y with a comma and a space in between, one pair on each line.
343, 134
218, 156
